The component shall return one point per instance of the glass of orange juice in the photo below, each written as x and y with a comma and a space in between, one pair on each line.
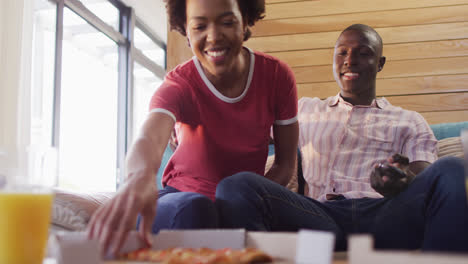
25, 214
24, 225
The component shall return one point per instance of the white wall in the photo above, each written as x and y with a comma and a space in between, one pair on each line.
14, 95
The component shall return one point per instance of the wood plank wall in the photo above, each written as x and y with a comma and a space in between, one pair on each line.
425, 42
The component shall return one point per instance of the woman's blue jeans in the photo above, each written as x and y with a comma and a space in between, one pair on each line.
183, 210
432, 213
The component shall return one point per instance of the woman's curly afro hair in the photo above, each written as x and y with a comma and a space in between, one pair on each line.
251, 10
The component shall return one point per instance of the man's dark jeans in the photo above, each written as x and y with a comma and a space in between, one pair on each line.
432, 213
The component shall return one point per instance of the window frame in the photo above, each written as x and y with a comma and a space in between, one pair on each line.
127, 55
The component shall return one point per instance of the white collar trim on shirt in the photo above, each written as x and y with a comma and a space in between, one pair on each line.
215, 91
378, 102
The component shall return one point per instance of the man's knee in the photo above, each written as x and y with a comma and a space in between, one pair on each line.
452, 168
450, 163
235, 183
449, 175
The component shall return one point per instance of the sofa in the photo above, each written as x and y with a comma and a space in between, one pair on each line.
72, 210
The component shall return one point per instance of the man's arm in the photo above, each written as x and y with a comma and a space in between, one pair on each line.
416, 167
285, 138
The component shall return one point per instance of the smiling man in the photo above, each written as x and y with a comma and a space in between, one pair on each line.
367, 167
356, 61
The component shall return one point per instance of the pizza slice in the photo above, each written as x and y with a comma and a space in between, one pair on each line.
199, 256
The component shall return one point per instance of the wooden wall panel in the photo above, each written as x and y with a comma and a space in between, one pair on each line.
178, 50
445, 116
397, 86
431, 102
404, 51
331, 7
425, 42
390, 35
379, 19
392, 69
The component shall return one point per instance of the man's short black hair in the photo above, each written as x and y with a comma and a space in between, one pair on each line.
365, 28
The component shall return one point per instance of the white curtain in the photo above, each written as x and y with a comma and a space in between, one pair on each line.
15, 74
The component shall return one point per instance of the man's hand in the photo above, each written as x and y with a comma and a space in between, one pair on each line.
111, 223
391, 178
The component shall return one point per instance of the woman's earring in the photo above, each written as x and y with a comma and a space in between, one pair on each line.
188, 42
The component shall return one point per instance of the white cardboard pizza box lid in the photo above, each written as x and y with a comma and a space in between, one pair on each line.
74, 248
277, 244
315, 247
214, 238
71, 248
306, 246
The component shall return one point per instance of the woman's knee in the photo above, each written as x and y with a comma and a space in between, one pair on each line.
187, 210
196, 206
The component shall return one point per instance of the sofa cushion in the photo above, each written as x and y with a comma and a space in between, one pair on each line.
450, 147
446, 130
72, 210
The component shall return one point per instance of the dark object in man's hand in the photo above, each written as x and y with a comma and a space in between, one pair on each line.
395, 180
397, 158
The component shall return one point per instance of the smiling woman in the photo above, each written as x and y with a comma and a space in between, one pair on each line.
216, 34
226, 91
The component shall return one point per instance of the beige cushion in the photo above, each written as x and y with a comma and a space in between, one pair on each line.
72, 210
292, 185
450, 147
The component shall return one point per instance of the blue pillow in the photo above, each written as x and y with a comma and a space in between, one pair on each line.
446, 130
166, 156
271, 149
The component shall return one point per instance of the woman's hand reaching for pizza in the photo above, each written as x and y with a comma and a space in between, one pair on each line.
111, 223
392, 177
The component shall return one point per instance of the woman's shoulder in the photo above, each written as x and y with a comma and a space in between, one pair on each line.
267, 63
182, 71
268, 59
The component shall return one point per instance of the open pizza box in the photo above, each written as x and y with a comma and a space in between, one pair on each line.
311, 247
74, 248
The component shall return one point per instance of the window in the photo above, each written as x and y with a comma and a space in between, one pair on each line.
105, 11
154, 52
145, 83
88, 107
91, 88
149, 54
